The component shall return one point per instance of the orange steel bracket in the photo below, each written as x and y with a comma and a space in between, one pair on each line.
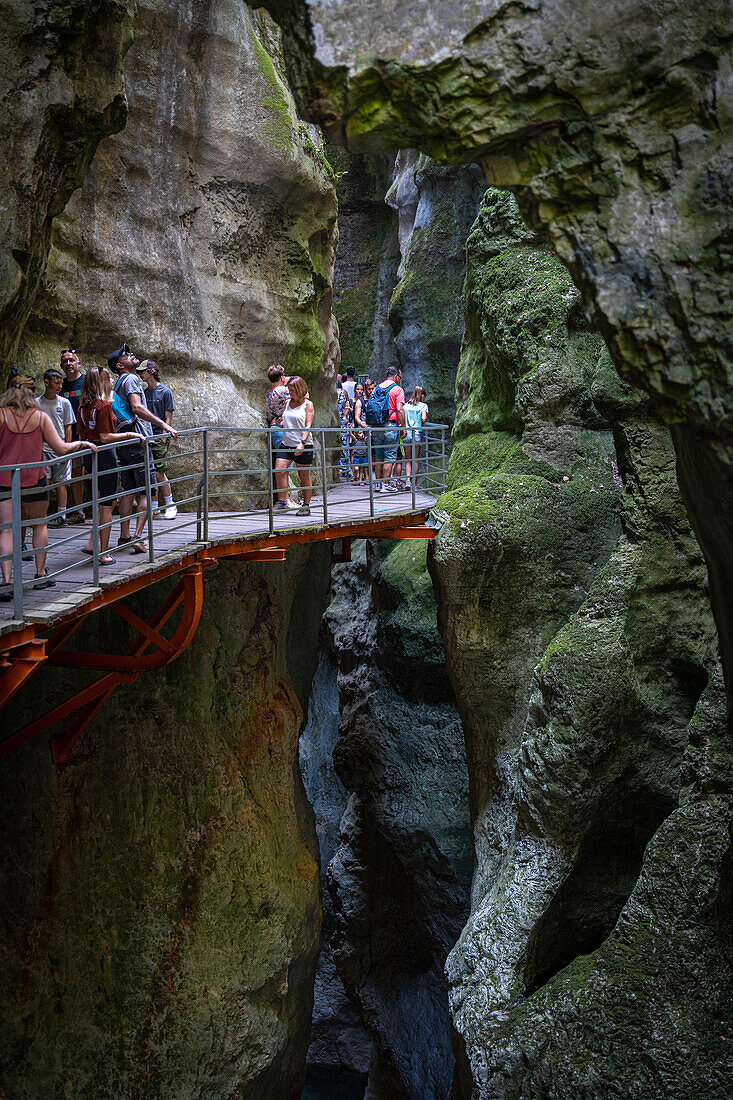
265, 553
419, 531
119, 668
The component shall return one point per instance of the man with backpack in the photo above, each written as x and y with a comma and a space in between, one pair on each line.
385, 412
132, 414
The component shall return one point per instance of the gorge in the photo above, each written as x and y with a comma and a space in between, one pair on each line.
448, 820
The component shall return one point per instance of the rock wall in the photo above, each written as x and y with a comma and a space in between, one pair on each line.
400, 868
61, 90
205, 232
573, 608
613, 124
436, 208
160, 919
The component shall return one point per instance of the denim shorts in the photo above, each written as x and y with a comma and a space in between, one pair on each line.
384, 444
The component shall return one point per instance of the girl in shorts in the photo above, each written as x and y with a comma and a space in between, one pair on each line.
416, 413
96, 422
296, 447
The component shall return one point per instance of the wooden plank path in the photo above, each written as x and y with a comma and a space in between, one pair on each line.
346, 506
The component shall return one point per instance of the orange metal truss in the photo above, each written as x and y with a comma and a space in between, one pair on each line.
25, 650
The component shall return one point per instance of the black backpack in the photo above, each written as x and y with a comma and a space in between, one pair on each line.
377, 407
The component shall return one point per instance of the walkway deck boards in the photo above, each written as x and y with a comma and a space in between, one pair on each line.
344, 505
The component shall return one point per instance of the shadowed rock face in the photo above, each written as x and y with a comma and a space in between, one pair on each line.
399, 875
583, 655
61, 90
205, 232
613, 122
160, 918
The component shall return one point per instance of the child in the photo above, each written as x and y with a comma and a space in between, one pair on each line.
361, 459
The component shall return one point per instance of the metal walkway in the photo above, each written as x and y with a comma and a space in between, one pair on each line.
182, 548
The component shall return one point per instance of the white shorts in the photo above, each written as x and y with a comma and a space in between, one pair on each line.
59, 471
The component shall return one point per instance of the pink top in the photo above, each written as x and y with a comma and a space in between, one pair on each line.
21, 445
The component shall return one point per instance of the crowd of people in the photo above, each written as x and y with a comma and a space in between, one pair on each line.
395, 424
77, 414
114, 410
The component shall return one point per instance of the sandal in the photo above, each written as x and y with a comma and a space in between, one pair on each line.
6, 593
139, 546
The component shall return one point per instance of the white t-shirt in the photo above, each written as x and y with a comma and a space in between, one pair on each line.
61, 413
349, 388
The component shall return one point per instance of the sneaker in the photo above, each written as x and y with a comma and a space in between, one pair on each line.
391, 489
76, 517
378, 487
157, 513
291, 504
304, 510
171, 512
42, 580
138, 546
26, 554
279, 506
57, 521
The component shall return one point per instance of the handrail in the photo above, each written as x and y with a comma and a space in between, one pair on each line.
252, 482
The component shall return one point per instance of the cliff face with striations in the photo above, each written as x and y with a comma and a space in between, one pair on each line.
613, 122
205, 232
160, 919
573, 607
61, 90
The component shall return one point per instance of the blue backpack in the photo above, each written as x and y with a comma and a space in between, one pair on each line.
377, 407
121, 409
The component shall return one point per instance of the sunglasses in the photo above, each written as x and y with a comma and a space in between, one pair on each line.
68, 351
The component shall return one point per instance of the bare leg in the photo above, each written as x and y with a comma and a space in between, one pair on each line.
125, 510
141, 517
35, 511
62, 498
306, 483
281, 477
6, 538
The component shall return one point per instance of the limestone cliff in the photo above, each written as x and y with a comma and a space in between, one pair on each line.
160, 918
61, 90
436, 207
613, 123
400, 866
204, 233
573, 607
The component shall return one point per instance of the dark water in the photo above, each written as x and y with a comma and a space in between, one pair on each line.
333, 1084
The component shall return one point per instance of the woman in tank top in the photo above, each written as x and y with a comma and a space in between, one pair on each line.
296, 446
24, 429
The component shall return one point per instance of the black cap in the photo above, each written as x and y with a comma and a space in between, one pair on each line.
112, 359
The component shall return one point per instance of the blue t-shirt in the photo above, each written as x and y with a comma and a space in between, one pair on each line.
159, 401
71, 391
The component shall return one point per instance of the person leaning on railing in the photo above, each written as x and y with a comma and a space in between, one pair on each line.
23, 431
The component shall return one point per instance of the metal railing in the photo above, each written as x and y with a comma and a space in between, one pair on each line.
221, 468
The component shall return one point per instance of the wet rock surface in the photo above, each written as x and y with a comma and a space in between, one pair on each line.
573, 608
160, 919
398, 879
205, 232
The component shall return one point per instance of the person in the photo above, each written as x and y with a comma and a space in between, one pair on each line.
361, 458
385, 413
296, 446
129, 398
343, 409
275, 401
159, 399
354, 425
64, 421
416, 414
96, 423
350, 383
24, 428
71, 389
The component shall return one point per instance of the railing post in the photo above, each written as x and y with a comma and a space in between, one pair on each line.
149, 497
270, 480
206, 486
17, 545
414, 464
95, 519
443, 464
323, 473
371, 472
